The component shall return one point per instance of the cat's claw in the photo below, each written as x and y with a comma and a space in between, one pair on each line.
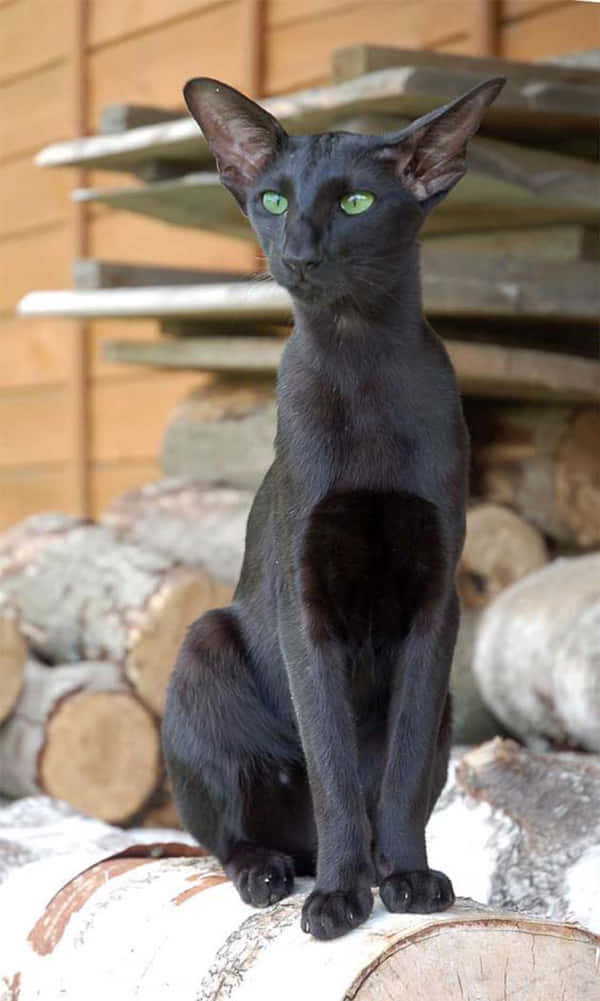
329, 915
420, 892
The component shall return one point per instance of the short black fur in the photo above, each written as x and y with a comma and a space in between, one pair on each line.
308, 724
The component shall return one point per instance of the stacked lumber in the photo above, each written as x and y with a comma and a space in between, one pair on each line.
526, 196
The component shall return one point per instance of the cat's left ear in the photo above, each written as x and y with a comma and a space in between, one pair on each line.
242, 136
429, 156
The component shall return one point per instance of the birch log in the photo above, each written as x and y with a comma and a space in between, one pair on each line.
198, 524
175, 929
500, 548
18, 547
79, 734
518, 829
537, 656
545, 463
93, 597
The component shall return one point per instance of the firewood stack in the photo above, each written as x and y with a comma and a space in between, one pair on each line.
91, 616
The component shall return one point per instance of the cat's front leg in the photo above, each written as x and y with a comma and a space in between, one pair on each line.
418, 743
342, 897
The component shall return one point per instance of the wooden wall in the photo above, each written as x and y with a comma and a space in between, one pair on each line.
74, 431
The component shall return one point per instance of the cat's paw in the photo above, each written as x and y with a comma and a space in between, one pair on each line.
263, 878
420, 892
329, 915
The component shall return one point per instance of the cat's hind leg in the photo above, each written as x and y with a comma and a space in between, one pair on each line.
237, 770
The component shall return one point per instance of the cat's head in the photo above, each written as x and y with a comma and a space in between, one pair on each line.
335, 212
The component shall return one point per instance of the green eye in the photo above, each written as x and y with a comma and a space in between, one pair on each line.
357, 202
274, 202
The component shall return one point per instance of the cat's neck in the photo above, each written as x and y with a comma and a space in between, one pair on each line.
385, 325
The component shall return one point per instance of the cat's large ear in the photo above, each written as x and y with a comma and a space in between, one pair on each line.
242, 136
429, 156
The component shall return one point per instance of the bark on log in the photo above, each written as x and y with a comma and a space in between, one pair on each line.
79, 734
195, 939
198, 524
500, 548
518, 829
537, 656
117, 602
18, 547
223, 433
544, 462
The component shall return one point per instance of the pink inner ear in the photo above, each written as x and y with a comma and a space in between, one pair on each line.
240, 147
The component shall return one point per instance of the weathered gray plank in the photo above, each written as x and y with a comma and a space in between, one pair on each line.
506, 185
453, 285
562, 242
93, 273
121, 117
482, 369
543, 102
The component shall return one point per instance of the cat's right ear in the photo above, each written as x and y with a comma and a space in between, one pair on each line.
242, 136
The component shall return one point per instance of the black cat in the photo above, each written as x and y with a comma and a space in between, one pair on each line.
308, 724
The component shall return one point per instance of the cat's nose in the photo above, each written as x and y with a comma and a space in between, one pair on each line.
301, 265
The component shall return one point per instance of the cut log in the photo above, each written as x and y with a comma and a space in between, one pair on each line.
519, 829
537, 655
18, 547
194, 523
223, 433
544, 463
79, 734
117, 602
80, 944
500, 548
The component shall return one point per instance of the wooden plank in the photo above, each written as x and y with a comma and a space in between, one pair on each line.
453, 285
33, 33
34, 352
34, 426
533, 105
143, 68
120, 117
34, 259
298, 54
564, 28
569, 243
103, 330
115, 437
91, 273
30, 197
141, 238
34, 111
215, 354
482, 369
113, 20
514, 185
485, 27
108, 480
29, 490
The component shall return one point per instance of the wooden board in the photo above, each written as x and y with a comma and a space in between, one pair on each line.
408, 91
34, 110
109, 480
152, 66
32, 259
92, 273
34, 352
566, 242
115, 433
298, 53
482, 369
30, 489
566, 27
30, 197
453, 285
120, 117
112, 20
24, 46
510, 185
33, 426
